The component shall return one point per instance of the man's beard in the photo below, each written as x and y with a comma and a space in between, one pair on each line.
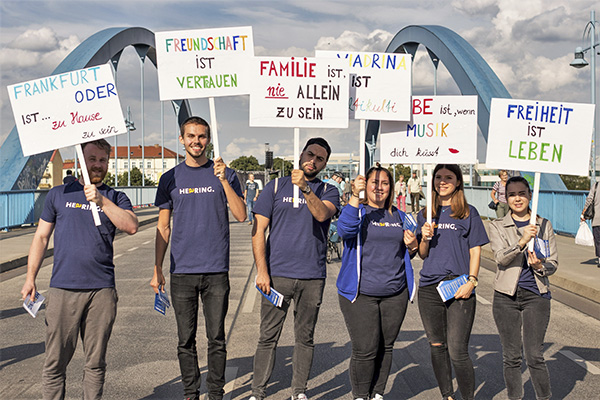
97, 179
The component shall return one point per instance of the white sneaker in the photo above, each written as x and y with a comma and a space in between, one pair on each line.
301, 396
378, 397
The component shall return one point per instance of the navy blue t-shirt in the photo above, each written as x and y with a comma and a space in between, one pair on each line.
297, 243
251, 188
382, 266
527, 280
200, 233
449, 247
83, 252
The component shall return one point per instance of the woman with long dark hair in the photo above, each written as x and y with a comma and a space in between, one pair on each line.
375, 281
521, 305
450, 247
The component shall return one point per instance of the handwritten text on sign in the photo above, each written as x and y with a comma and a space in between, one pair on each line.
540, 136
380, 84
299, 92
443, 129
66, 109
203, 62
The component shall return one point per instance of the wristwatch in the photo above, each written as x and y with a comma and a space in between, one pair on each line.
473, 280
306, 190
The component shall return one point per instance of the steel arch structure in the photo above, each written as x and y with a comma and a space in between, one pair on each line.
19, 172
470, 71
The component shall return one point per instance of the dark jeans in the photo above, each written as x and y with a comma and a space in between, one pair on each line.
596, 233
414, 201
531, 313
307, 295
213, 289
448, 328
373, 324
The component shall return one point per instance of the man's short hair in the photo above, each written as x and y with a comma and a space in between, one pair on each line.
69, 172
321, 142
197, 121
338, 174
102, 143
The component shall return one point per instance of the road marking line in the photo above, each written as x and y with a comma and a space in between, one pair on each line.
133, 248
146, 242
591, 368
482, 300
117, 256
250, 299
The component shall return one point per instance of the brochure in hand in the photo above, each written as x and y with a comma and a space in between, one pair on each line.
33, 307
274, 297
447, 289
410, 224
541, 248
161, 301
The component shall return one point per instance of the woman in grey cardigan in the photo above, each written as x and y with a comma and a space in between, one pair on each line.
521, 290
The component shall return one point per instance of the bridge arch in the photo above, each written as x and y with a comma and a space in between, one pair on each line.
467, 67
19, 172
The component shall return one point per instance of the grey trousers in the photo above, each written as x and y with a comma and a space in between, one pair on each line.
69, 314
307, 295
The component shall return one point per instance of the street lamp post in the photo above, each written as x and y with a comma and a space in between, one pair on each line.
580, 62
130, 127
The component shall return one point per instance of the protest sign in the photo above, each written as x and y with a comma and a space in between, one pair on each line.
66, 109
203, 62
298, 92
540, 136
443, 129
380, 84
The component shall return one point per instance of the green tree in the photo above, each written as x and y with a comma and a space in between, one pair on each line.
401, 170
136, 178
287, 167
109, 179
573, 182
246, 163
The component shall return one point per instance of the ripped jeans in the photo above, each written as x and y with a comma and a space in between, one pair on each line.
449, 324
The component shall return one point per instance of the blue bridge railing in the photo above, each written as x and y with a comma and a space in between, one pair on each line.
562, 207
22, 207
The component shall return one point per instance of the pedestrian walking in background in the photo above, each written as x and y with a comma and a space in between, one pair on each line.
499, 194
400, 191
414, 187
593, 200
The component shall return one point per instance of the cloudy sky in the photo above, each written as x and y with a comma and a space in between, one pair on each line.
529, 45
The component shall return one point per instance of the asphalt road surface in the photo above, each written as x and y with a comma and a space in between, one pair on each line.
142, 361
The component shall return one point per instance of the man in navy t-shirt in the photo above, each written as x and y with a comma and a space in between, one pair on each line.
292, 261
196, 193
82, 299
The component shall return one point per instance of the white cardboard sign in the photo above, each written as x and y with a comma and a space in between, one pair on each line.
299, 92
540, 136
66, 109
203, 62
380, 84
443, 129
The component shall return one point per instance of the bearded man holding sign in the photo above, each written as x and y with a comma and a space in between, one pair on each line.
82, 299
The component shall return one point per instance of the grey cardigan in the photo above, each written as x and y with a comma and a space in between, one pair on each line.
504, 238
588, 200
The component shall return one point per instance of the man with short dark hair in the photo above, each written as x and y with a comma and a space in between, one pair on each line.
292, 261
82, 299
69, 177
196, 192
250, 195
